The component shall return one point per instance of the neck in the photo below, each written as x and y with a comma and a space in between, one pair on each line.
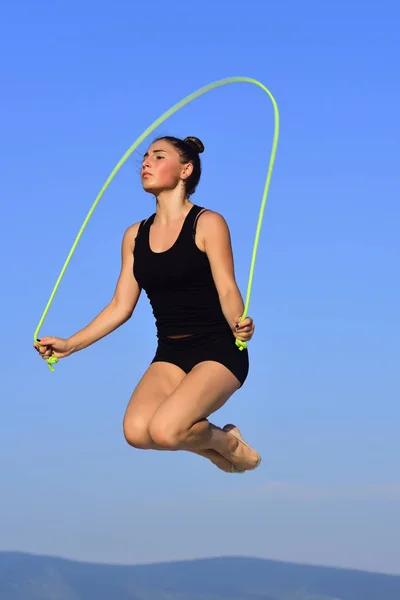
171, 205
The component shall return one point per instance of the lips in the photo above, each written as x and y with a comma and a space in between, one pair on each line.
146, 174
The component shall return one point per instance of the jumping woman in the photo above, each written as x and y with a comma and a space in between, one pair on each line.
182, 257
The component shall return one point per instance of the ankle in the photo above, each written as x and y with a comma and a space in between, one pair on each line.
223, 443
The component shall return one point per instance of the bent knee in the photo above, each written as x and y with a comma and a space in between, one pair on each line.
164, 436
136, 433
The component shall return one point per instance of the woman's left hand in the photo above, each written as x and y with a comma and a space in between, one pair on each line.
244, 330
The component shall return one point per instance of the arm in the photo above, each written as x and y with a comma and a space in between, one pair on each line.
215, 240
122, 304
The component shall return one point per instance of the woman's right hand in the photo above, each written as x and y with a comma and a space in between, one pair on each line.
53, 346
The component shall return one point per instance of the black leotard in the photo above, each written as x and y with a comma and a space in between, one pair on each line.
179, 282
185, 301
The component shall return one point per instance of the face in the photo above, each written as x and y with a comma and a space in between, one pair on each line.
162, 168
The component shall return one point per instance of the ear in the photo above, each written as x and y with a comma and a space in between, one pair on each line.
187, 170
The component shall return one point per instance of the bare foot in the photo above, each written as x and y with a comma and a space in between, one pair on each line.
218, 460
244, 458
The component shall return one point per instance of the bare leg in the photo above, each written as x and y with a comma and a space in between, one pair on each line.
180, 422
157, 384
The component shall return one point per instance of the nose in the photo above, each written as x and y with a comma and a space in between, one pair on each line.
146, 162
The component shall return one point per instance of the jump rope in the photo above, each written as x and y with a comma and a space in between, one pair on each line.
207, 88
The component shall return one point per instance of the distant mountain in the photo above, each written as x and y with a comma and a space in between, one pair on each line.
30, 577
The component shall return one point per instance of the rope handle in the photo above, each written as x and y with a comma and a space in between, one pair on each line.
52, 360
240, 344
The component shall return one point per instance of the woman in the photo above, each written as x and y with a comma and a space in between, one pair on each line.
182, 257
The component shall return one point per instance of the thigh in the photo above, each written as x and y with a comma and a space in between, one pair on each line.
200, 393
159, 381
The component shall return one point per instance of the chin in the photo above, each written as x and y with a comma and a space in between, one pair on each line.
149, 188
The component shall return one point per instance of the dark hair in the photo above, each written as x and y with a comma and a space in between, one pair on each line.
189, 150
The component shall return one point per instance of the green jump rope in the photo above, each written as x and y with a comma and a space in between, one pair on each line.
207, 88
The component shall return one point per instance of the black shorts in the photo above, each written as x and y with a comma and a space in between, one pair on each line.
189, 351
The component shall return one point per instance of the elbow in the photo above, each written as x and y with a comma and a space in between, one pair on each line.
125, 316
125, 313
228, 291
121, 311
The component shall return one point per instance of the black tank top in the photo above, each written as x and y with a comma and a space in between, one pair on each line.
179, 282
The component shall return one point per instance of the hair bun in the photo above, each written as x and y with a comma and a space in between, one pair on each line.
195, 143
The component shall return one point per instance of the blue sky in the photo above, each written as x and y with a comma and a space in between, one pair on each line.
81, 81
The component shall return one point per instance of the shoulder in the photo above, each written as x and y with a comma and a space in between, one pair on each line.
211, 224
130, 234
209, 220
213, 232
